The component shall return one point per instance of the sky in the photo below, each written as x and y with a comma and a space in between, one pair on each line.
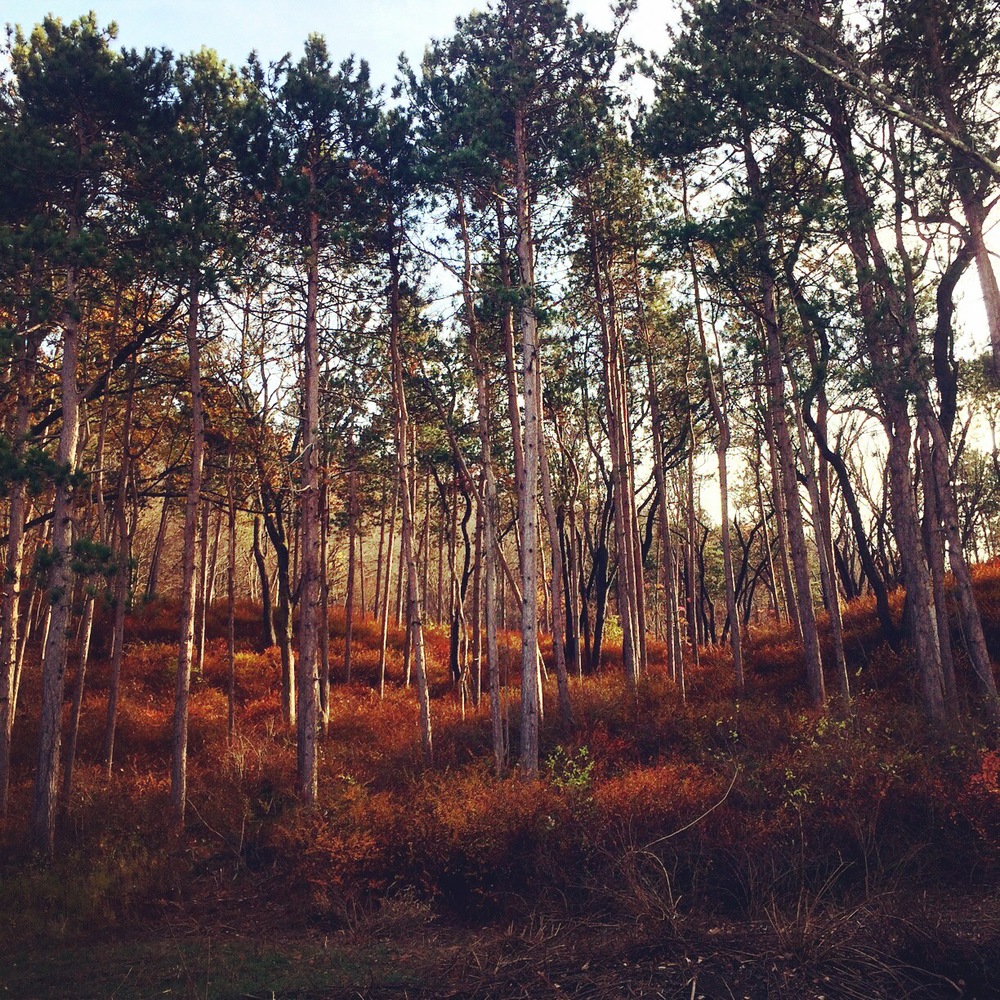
376, 30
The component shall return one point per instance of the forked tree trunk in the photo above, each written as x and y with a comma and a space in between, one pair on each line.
881, 315
972, 625
965, 181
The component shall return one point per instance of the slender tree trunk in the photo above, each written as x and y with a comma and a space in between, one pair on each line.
231, 599
691, 590
267, 612
784, 454
972, 625
965, 182
828, 577
881, 315
178, 775
790, 501
629, 572
60, 591
201, 597
213, 560
13, 584
86, 630
152, 581
307, 674
121, 584
477, 610
377, 595
413, 609
934, 545
719, 411
324, 597
558, 619
487, 499
352, 500
528, 492
385, 592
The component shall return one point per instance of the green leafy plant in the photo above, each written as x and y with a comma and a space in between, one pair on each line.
568, 770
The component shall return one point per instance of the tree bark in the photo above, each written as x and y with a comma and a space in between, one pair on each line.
185, 652
60, 590
528, 491
414, 620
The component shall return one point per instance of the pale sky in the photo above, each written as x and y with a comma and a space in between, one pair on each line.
376, 30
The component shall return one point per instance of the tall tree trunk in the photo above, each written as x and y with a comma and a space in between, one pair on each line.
213, 560
324, 598
201, 596
488, 506
934, 545
385, 591
790, 501
414, 621
477, 609
880, 314
965, 181
528, 492
13, 565
60, 590
377, 594
785, 453
558, 619
824, 549
86, 631
121, 584
231, 599
972, 625
690, 584
720, 413
352, 500
307, 674
178, 774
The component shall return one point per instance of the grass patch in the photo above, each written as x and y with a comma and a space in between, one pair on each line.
202, 969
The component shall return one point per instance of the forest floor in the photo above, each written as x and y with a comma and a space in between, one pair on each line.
705, 847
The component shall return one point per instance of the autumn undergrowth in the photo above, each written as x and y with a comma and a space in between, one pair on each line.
834, 840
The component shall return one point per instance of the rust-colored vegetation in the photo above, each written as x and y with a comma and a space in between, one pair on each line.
778, 847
